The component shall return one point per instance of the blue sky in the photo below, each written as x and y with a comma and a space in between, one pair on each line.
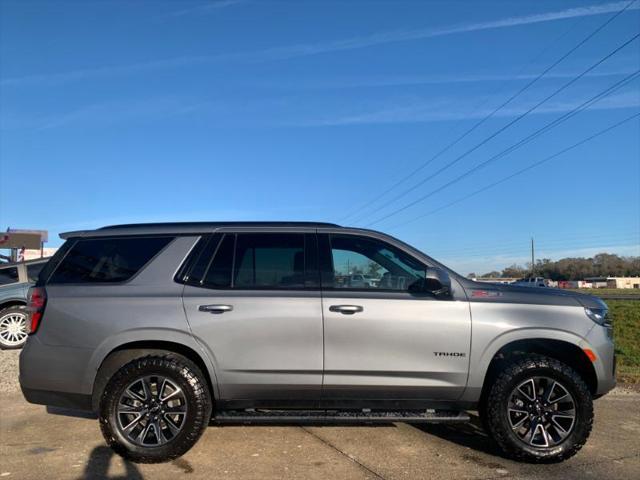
139, 111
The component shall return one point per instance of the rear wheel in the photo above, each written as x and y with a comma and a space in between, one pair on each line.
155, 408
13, 327
539, 410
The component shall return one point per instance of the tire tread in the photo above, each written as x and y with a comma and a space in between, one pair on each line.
501, 387
181, 366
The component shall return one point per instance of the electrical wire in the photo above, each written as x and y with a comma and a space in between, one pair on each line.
490, 115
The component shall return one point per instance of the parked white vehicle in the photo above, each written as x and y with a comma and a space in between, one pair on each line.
531, 282
360, 280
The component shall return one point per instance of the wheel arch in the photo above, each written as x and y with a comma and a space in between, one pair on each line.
565, 351
124, 353
12, 302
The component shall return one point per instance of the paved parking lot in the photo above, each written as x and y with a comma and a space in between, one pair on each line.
38, 445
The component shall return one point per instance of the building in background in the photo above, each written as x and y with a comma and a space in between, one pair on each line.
21, 244
44, 252
614, 282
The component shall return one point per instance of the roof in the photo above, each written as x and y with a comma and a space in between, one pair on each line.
184, 228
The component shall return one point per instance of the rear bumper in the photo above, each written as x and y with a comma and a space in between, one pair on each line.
75, 401
53, 375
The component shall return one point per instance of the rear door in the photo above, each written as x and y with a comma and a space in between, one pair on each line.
253, 302
384, 342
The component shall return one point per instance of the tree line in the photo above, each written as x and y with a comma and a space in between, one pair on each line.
600, 265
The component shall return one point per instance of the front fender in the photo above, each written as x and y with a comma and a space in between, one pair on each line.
496, 325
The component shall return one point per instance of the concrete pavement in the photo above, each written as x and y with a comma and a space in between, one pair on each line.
37, 445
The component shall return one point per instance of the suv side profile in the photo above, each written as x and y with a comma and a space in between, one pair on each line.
161, 328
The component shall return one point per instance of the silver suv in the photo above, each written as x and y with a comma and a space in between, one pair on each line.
162, 328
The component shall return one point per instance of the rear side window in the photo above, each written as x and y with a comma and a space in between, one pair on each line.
8, 275
109, 260
256, 261
269, 261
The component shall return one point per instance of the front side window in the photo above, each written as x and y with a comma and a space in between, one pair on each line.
99, 260
8, 275
363, 263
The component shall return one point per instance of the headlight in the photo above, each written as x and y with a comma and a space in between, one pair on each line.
598, 315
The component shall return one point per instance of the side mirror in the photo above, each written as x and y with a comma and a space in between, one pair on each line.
437, 282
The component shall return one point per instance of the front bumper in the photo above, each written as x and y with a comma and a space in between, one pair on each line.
605, 364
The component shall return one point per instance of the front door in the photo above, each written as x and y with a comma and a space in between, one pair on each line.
384, 341
253, 302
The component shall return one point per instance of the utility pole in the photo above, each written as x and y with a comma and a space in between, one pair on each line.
533, 260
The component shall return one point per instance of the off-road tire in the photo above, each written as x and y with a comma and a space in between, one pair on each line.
190, 379
494, 410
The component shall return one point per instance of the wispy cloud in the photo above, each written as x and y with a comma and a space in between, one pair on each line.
307, 49
101, 114
373, 81
203, 8
277, 112
445, 109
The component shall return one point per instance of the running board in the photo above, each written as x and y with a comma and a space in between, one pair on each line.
335, 416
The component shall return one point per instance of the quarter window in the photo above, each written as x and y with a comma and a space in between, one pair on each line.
361, 263
110, 260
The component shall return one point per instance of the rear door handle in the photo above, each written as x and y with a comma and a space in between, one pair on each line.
215, 308
346, 309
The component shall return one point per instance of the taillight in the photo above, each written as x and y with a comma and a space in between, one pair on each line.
37, 302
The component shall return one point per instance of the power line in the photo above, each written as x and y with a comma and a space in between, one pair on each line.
556, 242
526, 140
559, 242
517, 145
470, 130
523, 251
521, 171
493, 112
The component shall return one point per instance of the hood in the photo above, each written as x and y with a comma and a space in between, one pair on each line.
505, 293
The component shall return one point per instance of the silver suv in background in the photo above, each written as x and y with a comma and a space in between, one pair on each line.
15, 280
161, 328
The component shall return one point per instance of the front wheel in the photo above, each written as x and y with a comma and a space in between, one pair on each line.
155, 408
539, 410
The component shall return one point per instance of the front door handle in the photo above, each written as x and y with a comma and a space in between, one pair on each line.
346, 309
215, 308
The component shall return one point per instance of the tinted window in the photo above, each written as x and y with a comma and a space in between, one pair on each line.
364, 263
201, 257
33, 270
270, 261
107, 260
219, 273
8, 275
